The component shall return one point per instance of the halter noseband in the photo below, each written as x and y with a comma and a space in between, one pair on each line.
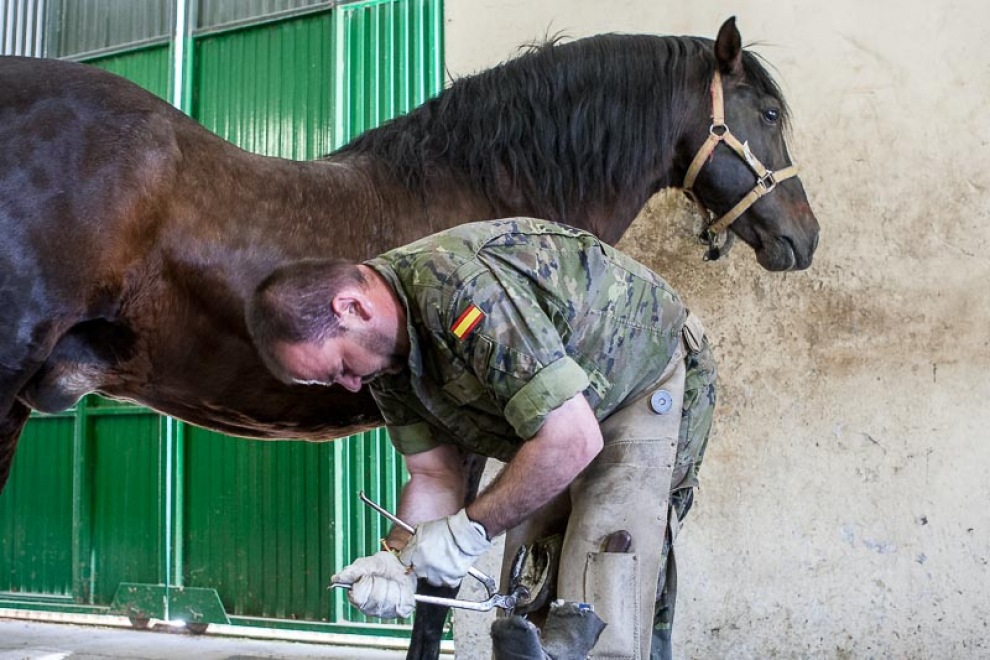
766, 180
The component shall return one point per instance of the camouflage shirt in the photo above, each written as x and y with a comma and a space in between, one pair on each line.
507, 321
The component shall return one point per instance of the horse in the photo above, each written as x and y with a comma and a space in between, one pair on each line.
131, 237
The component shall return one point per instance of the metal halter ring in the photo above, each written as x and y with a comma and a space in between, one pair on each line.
718, 130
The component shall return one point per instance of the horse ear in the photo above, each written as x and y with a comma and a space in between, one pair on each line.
728, 49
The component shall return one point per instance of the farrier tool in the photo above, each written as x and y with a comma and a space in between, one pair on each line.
506, 602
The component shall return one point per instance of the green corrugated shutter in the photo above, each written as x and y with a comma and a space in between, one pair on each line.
125, 495
278, 100
147, 67
36, 512
394, 55
264, 524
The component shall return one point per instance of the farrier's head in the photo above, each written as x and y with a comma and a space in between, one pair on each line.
314, 322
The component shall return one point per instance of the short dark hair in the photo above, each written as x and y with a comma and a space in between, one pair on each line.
293, 306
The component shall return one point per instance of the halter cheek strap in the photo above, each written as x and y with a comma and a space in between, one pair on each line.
766, 179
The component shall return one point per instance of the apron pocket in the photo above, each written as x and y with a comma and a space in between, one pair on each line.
611, 584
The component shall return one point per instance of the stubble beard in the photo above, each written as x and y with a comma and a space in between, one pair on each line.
382, 345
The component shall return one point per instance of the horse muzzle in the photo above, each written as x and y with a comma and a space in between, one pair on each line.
791, 250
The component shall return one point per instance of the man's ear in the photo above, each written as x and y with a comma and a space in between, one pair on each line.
728, 50
351, 305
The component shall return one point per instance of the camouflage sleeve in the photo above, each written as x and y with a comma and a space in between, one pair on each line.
547, 390
408, 431
515, 351
412, 438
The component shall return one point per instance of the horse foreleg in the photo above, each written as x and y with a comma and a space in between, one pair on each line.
10, 432
14, 414
428, 626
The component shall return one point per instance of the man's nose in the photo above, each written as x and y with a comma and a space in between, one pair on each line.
350, 383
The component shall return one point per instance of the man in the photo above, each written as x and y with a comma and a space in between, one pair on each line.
533, 343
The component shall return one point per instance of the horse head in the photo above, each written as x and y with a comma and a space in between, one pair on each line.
740, 172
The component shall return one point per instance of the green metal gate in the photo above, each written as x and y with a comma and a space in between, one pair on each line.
112, 508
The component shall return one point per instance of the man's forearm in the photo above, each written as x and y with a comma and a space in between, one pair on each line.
541, 469
426, 497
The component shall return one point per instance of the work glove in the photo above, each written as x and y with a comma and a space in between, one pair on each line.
380, 586
442, 551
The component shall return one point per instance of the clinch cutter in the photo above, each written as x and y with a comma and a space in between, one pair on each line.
506, 602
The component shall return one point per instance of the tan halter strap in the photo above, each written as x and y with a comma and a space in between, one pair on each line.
766, 179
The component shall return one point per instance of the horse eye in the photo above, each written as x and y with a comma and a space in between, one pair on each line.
771, 115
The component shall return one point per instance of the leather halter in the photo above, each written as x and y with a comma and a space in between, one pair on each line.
766, 179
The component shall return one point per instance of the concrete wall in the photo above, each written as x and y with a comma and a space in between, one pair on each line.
845, 504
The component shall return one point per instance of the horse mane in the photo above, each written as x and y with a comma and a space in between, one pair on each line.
566, 124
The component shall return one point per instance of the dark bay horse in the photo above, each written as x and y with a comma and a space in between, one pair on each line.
130, 236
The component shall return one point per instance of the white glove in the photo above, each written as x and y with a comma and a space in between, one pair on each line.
442, 551
380, 586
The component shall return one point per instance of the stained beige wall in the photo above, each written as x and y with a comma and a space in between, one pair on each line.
845, 505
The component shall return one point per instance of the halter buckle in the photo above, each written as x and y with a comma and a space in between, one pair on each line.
767, 182
718, 130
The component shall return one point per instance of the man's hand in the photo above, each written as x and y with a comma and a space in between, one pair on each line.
442, 551
380, 586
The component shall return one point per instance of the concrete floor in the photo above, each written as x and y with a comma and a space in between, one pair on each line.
33, 640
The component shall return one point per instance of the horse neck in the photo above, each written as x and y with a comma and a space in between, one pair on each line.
291, 209
680, 119
592, 164
441, 199
232, 217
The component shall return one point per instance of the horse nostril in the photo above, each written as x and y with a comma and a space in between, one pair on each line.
802, 249
789, 242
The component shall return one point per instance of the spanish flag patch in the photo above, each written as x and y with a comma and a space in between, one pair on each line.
467, 321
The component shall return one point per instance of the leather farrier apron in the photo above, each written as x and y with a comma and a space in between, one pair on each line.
627, 487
